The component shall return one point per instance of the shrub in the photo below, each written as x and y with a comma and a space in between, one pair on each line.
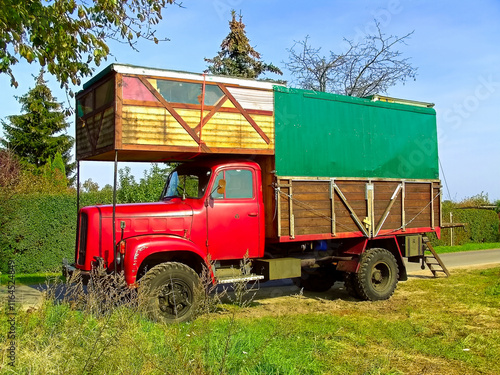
481, 225
38, 230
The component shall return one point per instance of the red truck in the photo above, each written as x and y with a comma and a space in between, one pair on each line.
310, 186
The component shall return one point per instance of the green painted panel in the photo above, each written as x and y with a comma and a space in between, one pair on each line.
328, 135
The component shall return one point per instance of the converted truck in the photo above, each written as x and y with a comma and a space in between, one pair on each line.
311, 186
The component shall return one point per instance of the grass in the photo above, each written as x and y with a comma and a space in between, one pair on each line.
30, 278
467, 247
430, 326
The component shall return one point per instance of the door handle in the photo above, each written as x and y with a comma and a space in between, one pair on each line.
253, 214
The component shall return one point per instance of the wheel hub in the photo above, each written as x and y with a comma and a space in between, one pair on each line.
173, 298
381, 274
377, 276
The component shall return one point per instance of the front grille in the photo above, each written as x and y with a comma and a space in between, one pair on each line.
84, 221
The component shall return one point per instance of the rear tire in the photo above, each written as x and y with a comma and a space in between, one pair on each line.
378, 275
350, 285
318, 280
170, 292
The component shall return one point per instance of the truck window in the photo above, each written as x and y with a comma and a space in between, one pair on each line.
187, 92
191, 182
239, 184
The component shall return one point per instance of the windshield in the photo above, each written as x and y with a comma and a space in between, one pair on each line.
187, 182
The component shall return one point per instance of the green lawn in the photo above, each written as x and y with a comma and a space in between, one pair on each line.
467, 247
30, 278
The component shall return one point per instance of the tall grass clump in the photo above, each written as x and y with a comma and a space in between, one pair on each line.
103, 328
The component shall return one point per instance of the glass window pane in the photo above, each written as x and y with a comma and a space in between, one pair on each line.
85, 105
239, 183
134, 89
105, 93
180, 92
212, 94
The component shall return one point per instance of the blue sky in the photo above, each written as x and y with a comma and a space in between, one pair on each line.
455, 45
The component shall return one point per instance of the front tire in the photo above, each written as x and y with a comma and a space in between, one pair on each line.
378, 275
170, 292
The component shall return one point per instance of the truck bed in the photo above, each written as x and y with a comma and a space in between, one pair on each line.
328, 208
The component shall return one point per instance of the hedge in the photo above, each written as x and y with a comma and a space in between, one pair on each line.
481, 226
37, 230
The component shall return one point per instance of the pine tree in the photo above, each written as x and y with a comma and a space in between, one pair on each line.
237, 57
36, 135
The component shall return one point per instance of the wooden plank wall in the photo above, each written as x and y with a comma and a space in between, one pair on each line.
95, 132
306, 207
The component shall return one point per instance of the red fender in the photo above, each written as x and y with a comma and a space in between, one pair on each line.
139, 248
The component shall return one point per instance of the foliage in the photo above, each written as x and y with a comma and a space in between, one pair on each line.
35, 135
39, 232
368, 67
9, 169
69, 36
481, 225
89, 186
148, 189
476, 201
237, 57
58, 164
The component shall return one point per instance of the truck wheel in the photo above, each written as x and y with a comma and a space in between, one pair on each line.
377, 276
170, 292
316, 281
350, 284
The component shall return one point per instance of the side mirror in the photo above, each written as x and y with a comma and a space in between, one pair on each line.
221, 189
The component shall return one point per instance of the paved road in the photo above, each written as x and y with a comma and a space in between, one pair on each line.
464, 259
31, 295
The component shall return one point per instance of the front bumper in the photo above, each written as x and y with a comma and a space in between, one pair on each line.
68, 270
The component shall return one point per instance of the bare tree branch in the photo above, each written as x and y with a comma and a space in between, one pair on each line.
366, 68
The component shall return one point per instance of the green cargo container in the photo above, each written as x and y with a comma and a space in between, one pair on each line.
328, 135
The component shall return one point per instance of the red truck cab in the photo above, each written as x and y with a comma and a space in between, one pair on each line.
194, 221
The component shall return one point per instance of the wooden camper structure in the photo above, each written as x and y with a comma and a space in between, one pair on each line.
159, 115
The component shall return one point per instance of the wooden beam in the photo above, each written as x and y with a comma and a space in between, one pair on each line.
244, 113
118, 110
351, 211
381, 222
212, 112
174, 113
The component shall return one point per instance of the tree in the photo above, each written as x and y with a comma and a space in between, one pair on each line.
237, 57
368, 67
90, 186
35, 136
68, 36
148, 189
10, 169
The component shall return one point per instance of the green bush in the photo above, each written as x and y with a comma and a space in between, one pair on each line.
38, 230
481, 226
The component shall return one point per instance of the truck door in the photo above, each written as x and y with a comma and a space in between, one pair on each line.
233, 217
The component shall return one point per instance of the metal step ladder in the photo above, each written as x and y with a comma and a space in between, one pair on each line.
433, 261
